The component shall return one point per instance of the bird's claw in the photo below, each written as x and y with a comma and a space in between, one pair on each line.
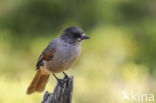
66, 77
60, 82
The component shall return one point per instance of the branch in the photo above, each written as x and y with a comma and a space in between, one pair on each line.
61, 94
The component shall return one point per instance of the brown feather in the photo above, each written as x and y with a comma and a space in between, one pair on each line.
46, 55
39, 82
49, 54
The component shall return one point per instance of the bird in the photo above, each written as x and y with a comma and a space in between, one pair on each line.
60, 54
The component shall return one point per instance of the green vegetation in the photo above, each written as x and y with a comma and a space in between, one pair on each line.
120, 56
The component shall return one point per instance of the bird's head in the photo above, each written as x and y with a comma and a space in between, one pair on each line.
74, 34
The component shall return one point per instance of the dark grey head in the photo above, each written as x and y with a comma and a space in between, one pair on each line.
73, 34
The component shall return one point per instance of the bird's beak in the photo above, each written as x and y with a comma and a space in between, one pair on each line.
84, 36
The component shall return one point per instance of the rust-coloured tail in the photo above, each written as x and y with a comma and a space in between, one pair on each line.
39, 82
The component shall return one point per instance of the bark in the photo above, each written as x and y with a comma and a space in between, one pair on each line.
62, 93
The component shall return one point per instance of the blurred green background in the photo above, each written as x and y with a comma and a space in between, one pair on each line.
120, 56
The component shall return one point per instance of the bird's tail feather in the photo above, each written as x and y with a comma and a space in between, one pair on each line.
39, 82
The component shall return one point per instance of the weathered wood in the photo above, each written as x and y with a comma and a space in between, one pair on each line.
62, 93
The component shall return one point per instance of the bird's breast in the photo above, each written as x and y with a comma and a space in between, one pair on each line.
64, 57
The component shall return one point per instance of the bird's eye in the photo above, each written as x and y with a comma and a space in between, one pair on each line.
77, 35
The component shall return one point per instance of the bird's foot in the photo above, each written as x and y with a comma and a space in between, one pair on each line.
66, 77
60, 82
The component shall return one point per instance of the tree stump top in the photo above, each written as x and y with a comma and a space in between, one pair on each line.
62, 93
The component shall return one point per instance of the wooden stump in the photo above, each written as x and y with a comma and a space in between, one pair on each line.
62, 93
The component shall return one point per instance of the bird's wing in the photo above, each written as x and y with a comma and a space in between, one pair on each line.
47, 54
